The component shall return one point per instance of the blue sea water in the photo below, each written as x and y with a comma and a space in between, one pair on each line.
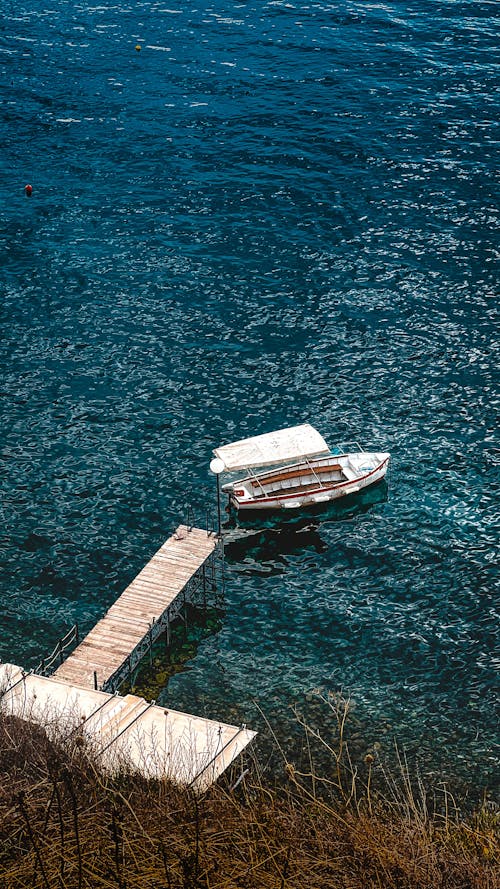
272, 212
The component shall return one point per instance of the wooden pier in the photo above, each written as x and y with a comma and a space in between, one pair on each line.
183, 570
81, 695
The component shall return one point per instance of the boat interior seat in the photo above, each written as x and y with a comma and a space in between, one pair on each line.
289, 474
349, 473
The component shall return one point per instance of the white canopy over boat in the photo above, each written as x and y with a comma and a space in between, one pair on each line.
272, 447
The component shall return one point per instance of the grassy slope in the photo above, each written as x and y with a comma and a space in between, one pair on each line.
64, 824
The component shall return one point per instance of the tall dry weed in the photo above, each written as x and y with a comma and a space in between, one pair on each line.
64, 824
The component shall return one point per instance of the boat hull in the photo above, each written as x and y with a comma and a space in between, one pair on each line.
241, 499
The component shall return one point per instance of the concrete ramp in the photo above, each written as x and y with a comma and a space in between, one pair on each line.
126, 733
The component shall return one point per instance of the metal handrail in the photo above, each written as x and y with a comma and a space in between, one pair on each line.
126, 728
241, 729
93, 713
47, 663
209, 523
191, 517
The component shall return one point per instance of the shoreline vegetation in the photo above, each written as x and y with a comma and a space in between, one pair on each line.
64, 823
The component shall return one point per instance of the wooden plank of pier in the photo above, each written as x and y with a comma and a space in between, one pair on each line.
145, 600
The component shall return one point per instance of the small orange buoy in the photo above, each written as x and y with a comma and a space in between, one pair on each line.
138, 47
28, 190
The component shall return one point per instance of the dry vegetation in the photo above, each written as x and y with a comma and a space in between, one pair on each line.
65, 824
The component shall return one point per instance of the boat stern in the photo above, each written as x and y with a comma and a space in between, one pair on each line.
238, 493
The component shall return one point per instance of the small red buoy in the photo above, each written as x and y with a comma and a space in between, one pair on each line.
28, 190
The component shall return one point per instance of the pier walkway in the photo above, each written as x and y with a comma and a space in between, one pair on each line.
80, 697
178, 573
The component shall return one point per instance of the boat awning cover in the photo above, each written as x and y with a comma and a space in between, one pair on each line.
272, 447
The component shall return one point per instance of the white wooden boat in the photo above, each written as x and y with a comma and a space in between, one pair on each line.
294, 468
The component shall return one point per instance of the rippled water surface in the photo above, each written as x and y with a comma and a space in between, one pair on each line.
273, 212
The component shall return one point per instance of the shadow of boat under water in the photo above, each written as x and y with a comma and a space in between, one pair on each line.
269, 536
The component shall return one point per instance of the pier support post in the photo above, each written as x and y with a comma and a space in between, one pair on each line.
150, 639
204, 582
168, 638
217, 466
184, 615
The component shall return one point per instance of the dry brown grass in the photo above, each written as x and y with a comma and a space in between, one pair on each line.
64, 825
